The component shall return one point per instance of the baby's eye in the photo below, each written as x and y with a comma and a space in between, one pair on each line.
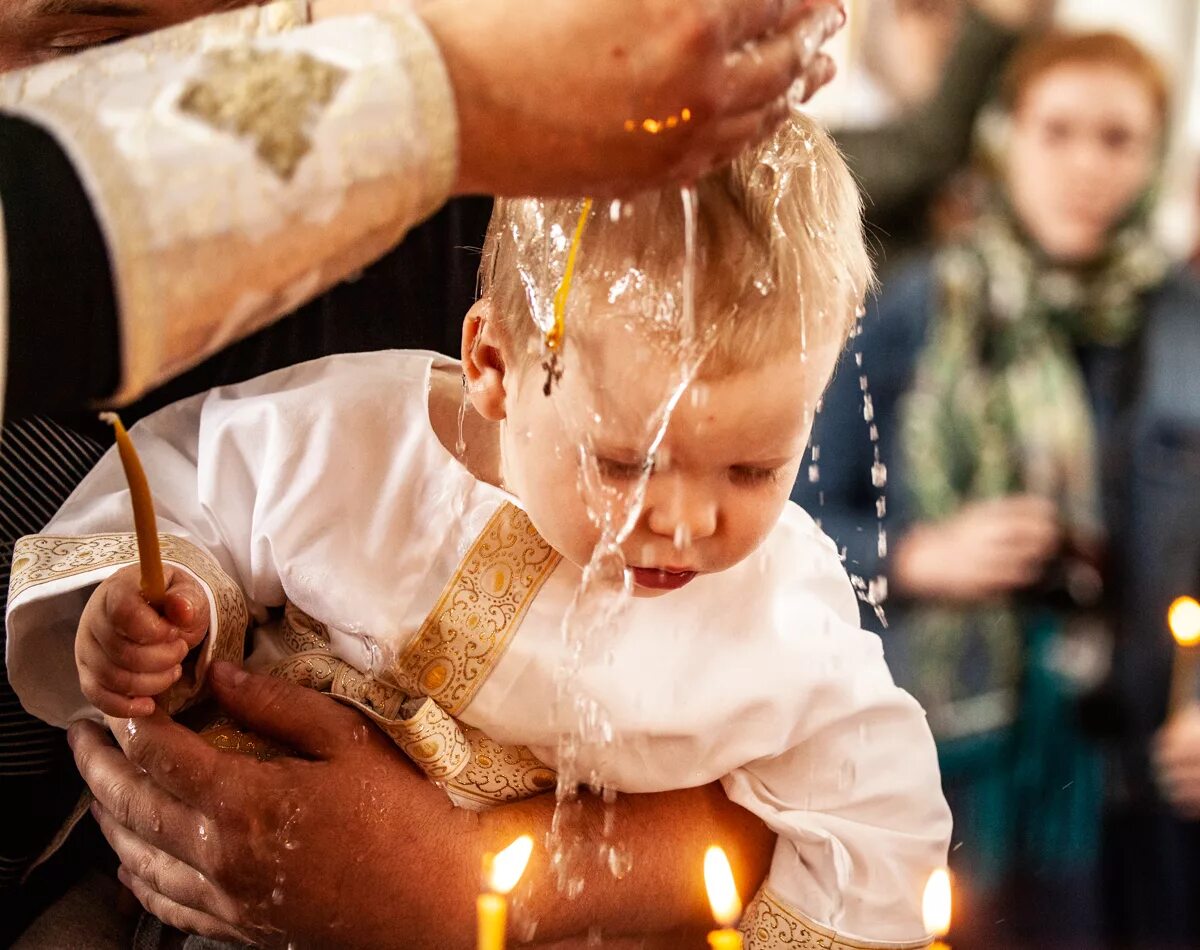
620, 471
85, 39
752, 475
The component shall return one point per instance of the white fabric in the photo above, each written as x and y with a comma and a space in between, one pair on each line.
340, 136
325, 484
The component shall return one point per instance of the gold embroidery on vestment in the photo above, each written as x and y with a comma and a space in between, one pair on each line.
270, 97
769, 924
478, 612
42, 559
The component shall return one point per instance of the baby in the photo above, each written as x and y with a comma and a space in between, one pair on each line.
423, 576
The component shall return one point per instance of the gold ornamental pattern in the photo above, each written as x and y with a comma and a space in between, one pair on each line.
769, 924
43, 559
270, 98
476, 771
477, 614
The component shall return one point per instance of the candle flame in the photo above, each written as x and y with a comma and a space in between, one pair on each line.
935, 906
508, 866
722, 892
1184, 620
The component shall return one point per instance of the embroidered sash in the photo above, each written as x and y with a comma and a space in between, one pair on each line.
436, 676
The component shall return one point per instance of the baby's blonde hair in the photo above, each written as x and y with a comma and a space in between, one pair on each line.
781, 257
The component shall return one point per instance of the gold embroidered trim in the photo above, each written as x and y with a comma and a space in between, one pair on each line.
476, 771
769, 924
272, 98
480, 609
42, 559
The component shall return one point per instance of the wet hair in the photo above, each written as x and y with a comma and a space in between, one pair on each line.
1038, 56
781, 260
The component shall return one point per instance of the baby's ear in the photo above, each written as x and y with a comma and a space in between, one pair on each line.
483, 361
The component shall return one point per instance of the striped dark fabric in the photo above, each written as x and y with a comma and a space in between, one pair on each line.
41, 462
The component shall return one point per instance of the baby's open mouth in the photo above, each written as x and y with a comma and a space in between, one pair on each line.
661, 578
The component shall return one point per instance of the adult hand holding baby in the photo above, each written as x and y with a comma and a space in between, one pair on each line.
126, 651
335, 847
208, 848
617, 95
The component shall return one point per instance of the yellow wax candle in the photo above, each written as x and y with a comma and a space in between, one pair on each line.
501, 873
723, 897
936, 907
725, 939
491, 911
154, 588
1183, 619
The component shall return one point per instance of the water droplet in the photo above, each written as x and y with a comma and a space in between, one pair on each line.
620, 861
814, 473
868, 407
879, 475
460, 443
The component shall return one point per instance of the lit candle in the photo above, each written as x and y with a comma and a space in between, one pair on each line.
1184, 621
935, 907
154, 588
723, 896
501, 873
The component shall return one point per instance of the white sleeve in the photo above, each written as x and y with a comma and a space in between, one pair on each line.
241, 163
90, 538
857, 804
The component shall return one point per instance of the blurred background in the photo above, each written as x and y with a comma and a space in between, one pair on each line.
1008, 457
892, 53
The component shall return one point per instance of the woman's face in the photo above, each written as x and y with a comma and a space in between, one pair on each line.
1084, 145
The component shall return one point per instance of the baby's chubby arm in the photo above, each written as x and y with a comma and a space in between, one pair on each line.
126, 651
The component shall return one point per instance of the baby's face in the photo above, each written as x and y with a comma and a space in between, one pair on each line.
720, 478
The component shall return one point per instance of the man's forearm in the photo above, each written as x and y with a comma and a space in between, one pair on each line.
665, 835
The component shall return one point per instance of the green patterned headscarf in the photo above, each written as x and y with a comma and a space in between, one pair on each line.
999, 406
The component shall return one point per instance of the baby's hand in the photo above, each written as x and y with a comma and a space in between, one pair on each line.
128, 653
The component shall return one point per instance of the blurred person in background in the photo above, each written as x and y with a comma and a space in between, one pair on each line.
933, 65
1004, 380
1152, 827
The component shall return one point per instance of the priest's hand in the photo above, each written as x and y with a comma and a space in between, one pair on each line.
1177, 761
612, 96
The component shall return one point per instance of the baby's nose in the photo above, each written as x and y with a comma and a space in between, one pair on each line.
681, 512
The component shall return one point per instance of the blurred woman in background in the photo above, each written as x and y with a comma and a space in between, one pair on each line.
1002, 382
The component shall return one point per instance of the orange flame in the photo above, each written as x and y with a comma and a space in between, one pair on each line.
508, 866
722, 892
1184, 620
935, 905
